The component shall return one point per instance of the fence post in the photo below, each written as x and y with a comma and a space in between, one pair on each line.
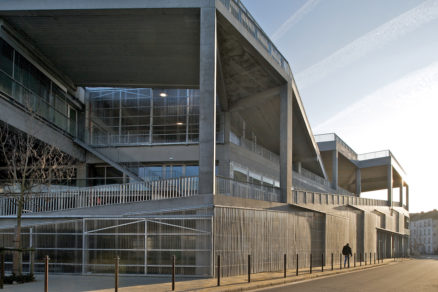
218, 270
374, 258
249, 268
285, 265
370, 259
332, 261
297, 266
46, 273
2, 267
365, 258
116, 274
311, 263
354, 259
322, 262
360, 259
173, 273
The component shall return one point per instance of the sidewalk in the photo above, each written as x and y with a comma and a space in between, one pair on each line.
73, 283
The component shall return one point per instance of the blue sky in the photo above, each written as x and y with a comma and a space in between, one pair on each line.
367, 70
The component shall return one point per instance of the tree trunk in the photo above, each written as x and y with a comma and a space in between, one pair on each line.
17, 267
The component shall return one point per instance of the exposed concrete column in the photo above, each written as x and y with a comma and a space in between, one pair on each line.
286, 143
358, 182
207, 106
335, 169
407, 197
81, 175
299, 167
389, 184
401, 193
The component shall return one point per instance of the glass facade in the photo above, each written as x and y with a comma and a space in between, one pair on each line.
104, 174
27, 85
144, 245
145, 116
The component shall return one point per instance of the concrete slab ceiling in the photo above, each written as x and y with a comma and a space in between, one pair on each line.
141, 47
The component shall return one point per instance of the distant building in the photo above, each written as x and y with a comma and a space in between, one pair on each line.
424, 233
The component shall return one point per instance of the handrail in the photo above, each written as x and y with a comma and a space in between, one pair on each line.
238, 10
85, 197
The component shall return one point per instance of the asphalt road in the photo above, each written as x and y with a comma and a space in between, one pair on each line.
415, 275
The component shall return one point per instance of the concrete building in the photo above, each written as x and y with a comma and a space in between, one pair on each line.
424, 233
191, 140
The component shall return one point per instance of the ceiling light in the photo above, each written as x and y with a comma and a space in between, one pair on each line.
180, 123
163, 94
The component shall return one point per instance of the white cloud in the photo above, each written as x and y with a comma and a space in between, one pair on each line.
402, 117
294, 19
377, 38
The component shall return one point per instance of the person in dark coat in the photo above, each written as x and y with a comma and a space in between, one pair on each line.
346, 251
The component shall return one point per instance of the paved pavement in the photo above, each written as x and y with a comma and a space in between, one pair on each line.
416, 275
74, 283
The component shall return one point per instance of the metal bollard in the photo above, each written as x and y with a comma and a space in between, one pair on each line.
360, 259
332, 261
365, 258
311, 263
218, 270
370, 259
2, 267
116, 274
284, 265
354, 259
46, 273
374, 258
297, 265
173, 273
249, 268
322, 262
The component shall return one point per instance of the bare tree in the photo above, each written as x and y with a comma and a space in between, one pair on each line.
30, 167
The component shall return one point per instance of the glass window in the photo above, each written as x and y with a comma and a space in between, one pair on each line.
6, 57
239, 176
192, 170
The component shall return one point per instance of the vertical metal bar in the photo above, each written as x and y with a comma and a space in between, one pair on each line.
218, 270
322, 262
354, 259
145, 247
284, 265
360, 259
116, 274
332, 261
31, 253
249, 268
311, 263
46, 274
374, 258
297, 266
2, 267
365, 258
173, 273
370, 259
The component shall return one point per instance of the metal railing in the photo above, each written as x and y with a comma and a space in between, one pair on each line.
238, 10
333, 137
86, 197
230, 187
252, 146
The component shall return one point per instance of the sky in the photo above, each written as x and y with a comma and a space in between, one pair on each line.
368, 71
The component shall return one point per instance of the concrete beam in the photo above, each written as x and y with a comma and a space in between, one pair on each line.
401, 193
256, 99
207, 107
286, 143
27, 5
407, 197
